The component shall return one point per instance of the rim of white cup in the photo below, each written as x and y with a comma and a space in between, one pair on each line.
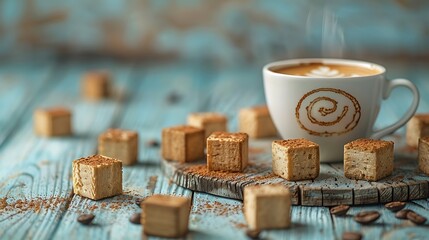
296, 61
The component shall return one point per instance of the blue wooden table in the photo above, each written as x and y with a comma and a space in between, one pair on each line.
36, 199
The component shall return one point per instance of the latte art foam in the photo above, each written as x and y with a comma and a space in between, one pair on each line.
321, 70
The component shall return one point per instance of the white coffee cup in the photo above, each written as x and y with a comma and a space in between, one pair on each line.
331, 111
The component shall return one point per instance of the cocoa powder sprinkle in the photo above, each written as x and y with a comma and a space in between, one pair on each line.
34, 204
202, 170
218, 208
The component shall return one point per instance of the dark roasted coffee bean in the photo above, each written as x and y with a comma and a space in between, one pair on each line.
253, 234
138, 202
86, 219
402, 214
416, 218
135, 218
352, 236
152, 143
367, 217
395, 206
340, 210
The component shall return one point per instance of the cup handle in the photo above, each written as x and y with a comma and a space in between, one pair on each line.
416, 98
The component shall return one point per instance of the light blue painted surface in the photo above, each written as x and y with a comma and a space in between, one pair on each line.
19, 85
226, 31
35, 167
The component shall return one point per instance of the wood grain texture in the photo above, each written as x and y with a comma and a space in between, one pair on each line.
145, 178
40, 171
34, 168
20, 85
307, 223
226, 213
363, 191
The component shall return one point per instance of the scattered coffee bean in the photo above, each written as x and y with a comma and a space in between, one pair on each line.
402, 214
138, 202
395, 206
152, 143
86, 219
135, 218
367, 217
340, 210
416, 218
253, 234
352, 236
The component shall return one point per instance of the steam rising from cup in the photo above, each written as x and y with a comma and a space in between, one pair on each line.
332, 35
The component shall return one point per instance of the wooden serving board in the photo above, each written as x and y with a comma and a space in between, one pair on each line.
329, 189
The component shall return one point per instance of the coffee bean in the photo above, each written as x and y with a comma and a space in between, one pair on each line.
416, 218
340, 210
402, 214
253, 234
152, 143
135, 218
395, 206
138, 202
86, 219
367, 217
352, 236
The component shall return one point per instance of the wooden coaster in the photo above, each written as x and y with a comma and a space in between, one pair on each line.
329, 189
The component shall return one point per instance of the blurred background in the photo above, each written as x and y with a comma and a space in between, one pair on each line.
223, 32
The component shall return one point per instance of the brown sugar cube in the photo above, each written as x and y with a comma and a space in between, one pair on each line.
227, 151
97, 177
183, 143
119, 144
209, 121
256, 121
267, 206
417, 127
296, 159
165, 216
424, 155
52, 122
368, 159
96, 85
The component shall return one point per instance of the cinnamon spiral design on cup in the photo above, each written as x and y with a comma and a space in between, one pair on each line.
328, 111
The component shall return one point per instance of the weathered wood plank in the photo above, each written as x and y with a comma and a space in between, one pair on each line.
385, 192
334, 189
20, 85
365, 195
362, 191
38, 178
41, 167
400, 191
333, 197
216, 218
346, 223
231, 89
307, 223
145, 178
311, 196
